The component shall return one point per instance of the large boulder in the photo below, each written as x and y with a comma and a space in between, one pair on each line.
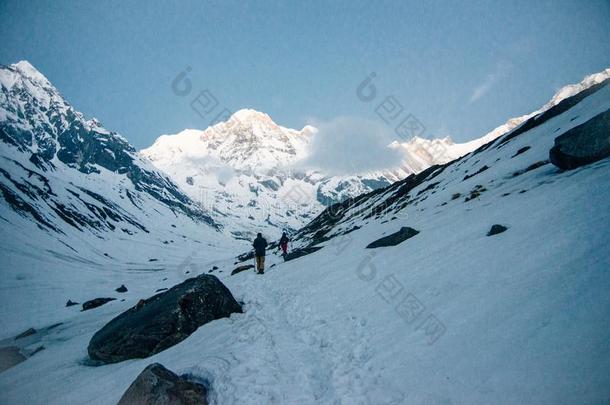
394, 239
583, 144
156, 385
163, 320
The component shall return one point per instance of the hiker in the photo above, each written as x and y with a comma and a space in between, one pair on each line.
284, 243
260, 244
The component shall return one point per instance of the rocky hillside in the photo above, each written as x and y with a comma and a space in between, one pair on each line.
63, 171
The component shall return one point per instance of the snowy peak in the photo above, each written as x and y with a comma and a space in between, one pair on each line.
573, 89
250, 116
29, 71
249, 140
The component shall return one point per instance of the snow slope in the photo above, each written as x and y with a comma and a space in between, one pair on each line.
521, 317
77, 199
245, 171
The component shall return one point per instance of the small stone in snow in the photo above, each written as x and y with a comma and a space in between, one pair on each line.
496, 229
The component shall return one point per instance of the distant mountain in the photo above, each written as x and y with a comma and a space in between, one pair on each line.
69, 175
245, 171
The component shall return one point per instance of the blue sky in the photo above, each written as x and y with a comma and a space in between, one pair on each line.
461, 68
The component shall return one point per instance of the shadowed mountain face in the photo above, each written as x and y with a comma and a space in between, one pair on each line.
59, 169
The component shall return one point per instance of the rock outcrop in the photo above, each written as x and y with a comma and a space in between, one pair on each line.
10, 357
296, 253
157, 385
496, 229
163, 320
96, 302
583, 144
394, 239
239, 269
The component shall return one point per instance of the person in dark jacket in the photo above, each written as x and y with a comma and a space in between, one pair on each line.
260, 245
284, 243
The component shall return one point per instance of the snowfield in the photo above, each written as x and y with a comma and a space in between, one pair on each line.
450, 316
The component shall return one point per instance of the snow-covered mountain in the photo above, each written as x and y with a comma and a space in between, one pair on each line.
242, 171
453, 315
246, 171
71, 187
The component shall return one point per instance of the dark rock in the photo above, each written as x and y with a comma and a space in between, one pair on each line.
157, 385
583, 144
152, 260
394, 239
296, 253
10, 357
496, 229
121, 289
161, 289
97, 302
481, 170
215, 268
475, 192
522, 150
163, 320
71, 303
245, 256
242, 268
27, 333
531, 167
38, 349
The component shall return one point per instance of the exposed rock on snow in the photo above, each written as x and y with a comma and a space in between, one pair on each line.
27, 333
71, 303
583, 144
121, 289
10, 357
496, 229
96, 302
157, 385
163, 320
394, 239
296, 253
239, 269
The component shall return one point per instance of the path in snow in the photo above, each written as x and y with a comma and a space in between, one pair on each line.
283, 352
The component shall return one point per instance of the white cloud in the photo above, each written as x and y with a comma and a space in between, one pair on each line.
501, 71
350, 145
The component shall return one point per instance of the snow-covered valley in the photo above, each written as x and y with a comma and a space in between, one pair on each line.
448, 316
